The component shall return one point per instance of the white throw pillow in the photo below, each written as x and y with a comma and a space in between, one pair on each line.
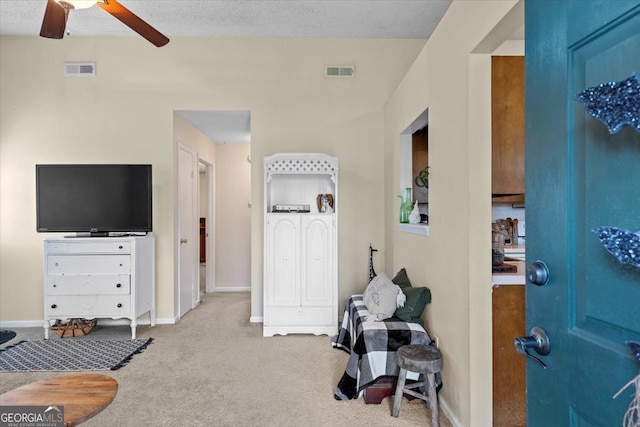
382, 297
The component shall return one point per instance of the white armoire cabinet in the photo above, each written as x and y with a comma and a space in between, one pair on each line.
300, 244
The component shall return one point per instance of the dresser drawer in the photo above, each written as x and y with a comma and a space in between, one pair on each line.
308, 316
88, 264
88, 285
88, 306
84, 247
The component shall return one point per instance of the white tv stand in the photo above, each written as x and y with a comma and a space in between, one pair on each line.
99, 277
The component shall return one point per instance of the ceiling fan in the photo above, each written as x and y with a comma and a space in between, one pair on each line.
57, 11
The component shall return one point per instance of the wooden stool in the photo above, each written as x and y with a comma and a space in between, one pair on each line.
426, 360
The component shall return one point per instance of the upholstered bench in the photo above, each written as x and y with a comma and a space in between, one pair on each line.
372, 347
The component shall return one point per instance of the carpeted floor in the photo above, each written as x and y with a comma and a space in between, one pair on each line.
214, 368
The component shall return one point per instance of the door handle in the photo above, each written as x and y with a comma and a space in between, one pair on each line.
183, 241
537, 340
538, 273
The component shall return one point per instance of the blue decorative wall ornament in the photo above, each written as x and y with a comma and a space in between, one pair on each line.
622, 244
616, 104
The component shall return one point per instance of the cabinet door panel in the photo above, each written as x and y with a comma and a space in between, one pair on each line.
509, 368
283, 276
507, 125
317, 260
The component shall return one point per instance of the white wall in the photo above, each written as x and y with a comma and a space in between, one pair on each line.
233, 217
126, 114
451, 78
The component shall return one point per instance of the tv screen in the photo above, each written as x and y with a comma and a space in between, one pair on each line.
97, 199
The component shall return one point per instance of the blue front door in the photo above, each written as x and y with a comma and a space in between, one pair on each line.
580, 177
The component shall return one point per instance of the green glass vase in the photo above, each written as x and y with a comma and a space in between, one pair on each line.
406, 206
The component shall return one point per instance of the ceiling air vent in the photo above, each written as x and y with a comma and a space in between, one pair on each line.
340, 71
79, 69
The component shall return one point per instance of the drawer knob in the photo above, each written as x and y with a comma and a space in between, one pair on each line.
119, 305
54, 305
120, 247
56, 264
55, 286
119, 285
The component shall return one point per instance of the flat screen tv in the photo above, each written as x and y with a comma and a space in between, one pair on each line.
93, 199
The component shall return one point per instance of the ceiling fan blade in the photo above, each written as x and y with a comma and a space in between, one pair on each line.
55, 21
134, 22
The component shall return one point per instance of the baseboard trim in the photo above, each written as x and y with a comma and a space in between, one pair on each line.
447, 411
232, 289
21, 324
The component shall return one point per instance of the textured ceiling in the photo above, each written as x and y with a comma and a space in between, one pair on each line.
243, 18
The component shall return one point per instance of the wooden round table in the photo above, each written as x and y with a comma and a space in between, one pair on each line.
81, 395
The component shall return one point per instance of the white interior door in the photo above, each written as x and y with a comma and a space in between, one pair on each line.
186, 235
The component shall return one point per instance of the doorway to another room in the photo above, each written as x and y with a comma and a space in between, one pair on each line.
220, 230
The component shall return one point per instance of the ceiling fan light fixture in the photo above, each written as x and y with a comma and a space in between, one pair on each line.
77, 4
57, 11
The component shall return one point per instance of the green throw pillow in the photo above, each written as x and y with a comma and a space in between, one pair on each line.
417, 300
402, 279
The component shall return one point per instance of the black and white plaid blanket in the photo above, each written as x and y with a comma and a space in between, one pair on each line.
372, 346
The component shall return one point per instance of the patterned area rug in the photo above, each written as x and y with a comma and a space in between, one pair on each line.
6, 336
70, 355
